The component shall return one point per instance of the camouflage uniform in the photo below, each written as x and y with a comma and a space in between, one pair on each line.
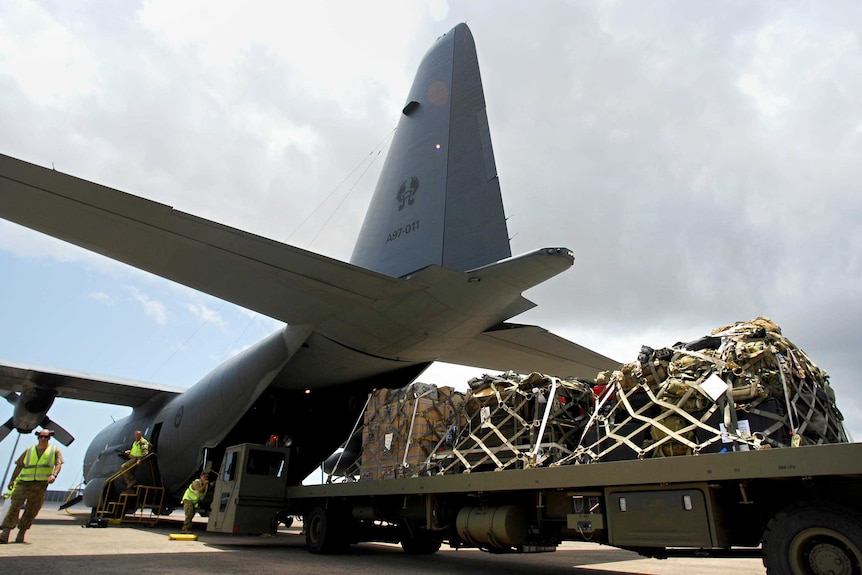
31, 492
140, 449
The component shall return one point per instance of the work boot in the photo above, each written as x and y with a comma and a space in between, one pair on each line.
4, 536
20, 537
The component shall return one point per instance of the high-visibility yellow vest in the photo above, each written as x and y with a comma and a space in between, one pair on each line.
137, 449
194, 496
38, 468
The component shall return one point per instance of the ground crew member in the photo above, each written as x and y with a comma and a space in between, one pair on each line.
140, 449
192, 499
35, 469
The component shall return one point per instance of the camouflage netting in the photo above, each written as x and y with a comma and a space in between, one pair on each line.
744, 386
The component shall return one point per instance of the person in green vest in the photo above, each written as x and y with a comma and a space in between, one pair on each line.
140, 449
35, 470
192, 499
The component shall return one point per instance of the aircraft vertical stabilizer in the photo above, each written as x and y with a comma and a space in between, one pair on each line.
438, 198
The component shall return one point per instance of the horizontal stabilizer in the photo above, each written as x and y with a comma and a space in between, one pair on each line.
529, 348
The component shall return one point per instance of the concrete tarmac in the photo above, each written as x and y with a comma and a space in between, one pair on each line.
58, 544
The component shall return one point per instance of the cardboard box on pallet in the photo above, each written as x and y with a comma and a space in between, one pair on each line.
401, 427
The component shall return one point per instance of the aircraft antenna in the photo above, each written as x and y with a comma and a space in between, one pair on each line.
188, 339
239, 337
372, 156
347, 195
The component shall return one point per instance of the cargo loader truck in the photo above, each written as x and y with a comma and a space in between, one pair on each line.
730, 446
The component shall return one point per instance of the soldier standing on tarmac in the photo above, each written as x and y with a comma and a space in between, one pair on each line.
192, 499
35, 470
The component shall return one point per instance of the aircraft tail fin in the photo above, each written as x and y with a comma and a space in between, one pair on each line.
438, 198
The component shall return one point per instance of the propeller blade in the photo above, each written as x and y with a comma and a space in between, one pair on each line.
5, 429
71, 502
10, 396
60, 434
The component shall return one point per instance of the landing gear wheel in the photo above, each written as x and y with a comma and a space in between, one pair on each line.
813, 539
324, 533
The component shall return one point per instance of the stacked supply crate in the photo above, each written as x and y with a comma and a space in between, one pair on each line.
401, 427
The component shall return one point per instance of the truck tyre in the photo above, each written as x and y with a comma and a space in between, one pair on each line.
813, 539
323, 532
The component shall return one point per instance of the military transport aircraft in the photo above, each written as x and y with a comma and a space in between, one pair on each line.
431, 278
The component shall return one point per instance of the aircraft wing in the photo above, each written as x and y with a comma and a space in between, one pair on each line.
275, 279
528, 348
22, 378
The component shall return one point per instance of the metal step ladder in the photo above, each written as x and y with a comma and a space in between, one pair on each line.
140, 504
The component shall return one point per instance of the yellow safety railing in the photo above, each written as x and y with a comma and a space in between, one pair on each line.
140, 504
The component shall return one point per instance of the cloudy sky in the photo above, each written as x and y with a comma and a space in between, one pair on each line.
702, 160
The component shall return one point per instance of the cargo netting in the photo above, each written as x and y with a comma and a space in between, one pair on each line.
743, 387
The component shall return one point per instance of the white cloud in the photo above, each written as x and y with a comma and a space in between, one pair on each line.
103, 298
49, 63
792, 57
152, 308
326, 48
26, 243
207, 315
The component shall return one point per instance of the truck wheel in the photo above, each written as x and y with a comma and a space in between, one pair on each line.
813, 539
322, 532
